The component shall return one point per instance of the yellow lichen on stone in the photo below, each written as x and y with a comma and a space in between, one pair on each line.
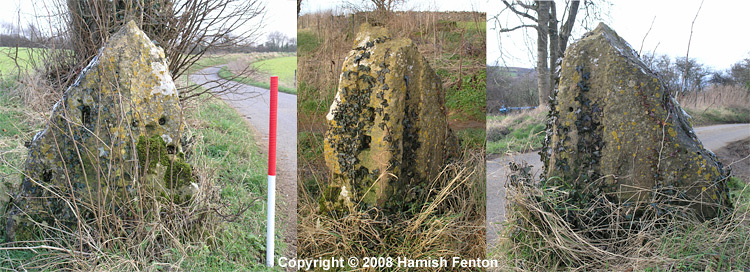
89, 143
608, 107
387, 127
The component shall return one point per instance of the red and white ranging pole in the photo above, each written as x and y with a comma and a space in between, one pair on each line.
271, 203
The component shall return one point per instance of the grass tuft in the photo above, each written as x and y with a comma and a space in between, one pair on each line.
449, 222
220, 230
519, 132
538, 235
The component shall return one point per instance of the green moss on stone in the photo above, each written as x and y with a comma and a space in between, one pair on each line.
153, 151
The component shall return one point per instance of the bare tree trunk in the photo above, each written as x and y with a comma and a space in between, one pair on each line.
543, 8
299, 6
558, 40
567, 27
554, 47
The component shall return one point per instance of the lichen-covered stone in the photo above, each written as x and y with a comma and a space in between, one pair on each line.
388, 135
615, 130
113, 136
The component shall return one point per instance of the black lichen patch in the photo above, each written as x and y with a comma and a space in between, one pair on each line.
373, 143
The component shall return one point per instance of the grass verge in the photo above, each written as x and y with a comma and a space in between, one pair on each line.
225, 148
520, 132
225, 73
282, 66
538, 237
17, 126
719, 115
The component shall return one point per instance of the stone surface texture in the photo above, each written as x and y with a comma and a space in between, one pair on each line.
110, 139
615, 130
388, 134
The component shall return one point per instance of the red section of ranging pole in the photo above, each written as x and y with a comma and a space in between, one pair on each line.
271, 204
272, 127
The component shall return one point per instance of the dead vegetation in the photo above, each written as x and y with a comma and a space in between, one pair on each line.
448, 221
128, 236
153, 234
718, 104
544, 231
453, 42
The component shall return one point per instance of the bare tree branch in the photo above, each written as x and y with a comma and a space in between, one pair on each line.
185, 29
644, 36
523, 14
516, 28
687, 54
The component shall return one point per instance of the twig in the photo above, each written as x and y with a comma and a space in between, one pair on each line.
644, 36
34, 248
687, 54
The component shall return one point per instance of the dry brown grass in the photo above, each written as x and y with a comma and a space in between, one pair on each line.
717, 96
449, 222
516, 132
718, 104
154, 231
331, 37
539, 235
114, 240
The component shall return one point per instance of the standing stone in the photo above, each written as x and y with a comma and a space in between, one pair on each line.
388, 134
111, 142
615, 130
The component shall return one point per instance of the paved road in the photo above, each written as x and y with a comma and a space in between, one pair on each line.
713, 138
253, 103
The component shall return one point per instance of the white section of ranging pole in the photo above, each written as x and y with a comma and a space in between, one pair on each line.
271, 203
270, 220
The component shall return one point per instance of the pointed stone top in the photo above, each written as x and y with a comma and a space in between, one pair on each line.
603, 30
369, 33
602, 27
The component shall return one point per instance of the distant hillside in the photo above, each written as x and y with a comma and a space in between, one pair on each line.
510, 87
511, 71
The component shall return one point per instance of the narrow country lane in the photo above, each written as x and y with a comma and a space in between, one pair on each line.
253, 104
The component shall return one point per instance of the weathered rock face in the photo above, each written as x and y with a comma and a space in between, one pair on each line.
112, 137
615, 130
388, 134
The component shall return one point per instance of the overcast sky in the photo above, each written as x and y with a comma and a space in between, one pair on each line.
280, 14
719, 37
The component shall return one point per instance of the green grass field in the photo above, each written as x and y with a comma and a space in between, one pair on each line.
282, 67
225, 73
26, 57
480, 26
